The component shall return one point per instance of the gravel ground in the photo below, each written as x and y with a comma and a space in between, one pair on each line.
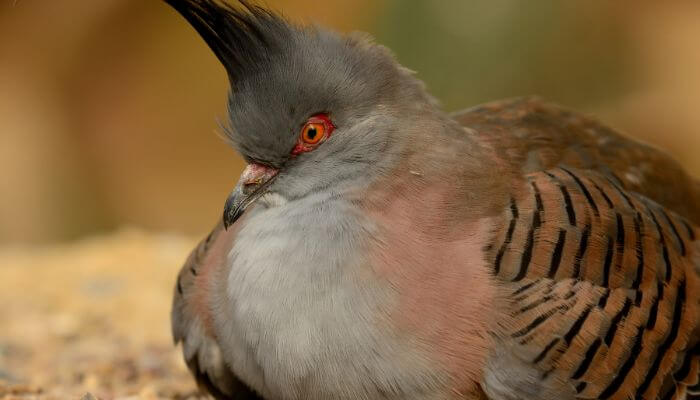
91, 318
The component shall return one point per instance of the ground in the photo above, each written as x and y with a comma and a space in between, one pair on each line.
92, 318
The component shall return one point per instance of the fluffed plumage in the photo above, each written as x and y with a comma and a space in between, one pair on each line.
515, 250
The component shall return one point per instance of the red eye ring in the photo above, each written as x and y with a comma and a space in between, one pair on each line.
317, 129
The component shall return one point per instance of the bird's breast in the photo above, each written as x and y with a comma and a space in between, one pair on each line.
330, 299
299, 309
446, 296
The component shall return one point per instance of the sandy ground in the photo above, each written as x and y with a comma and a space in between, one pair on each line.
92, 317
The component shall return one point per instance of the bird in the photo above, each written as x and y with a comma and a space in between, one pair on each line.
379, 247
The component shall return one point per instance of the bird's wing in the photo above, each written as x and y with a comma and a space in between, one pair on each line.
599, 255
191, 320
535, 136
603, 287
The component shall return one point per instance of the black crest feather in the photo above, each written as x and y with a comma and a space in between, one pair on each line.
242, 38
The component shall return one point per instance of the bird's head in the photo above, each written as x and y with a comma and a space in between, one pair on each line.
309, 109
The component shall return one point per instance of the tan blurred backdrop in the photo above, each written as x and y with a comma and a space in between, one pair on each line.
108, 108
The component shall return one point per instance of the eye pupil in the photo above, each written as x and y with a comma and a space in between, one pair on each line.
311, 133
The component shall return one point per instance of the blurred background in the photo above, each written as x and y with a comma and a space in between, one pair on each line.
111, 164
108, 108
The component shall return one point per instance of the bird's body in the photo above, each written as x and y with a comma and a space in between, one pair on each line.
511, 251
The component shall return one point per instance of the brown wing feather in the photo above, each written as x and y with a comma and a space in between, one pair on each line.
536, 136
603, 284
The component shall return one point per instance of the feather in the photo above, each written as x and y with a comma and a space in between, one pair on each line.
243, 38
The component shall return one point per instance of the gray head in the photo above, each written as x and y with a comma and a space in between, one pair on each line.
309, 107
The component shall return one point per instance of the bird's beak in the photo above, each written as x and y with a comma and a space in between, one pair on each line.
252, 184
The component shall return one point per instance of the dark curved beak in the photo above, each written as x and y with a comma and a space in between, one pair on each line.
252, 184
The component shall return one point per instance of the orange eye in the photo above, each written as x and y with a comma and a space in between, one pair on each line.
317, 128
313, 132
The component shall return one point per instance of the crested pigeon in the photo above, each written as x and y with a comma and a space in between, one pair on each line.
377, 247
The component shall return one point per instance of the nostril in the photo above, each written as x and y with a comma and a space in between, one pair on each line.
253, 181
249, 187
